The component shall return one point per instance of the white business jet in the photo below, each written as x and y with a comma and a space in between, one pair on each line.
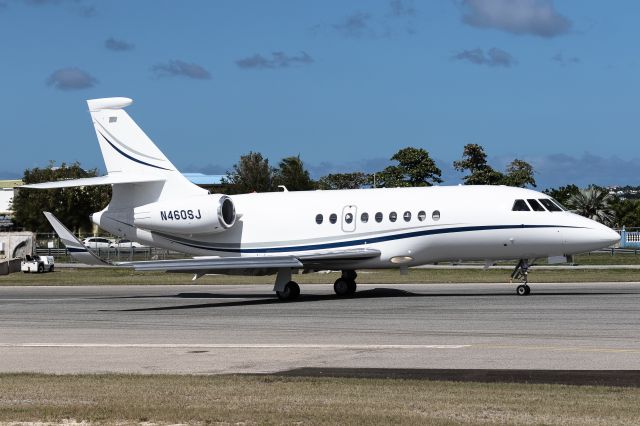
287, 232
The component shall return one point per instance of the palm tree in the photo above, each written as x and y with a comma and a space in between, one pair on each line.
594, 203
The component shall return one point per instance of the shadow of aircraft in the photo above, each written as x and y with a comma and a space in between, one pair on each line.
375, 293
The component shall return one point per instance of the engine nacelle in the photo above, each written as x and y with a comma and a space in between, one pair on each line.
204, 214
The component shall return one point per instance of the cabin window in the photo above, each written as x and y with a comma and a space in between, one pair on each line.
333, 218
407, 216
422, 215
535, 205
364, 217
348, 217
520, 206
435, 215
393, 216
319, 219
550, 205
378, 217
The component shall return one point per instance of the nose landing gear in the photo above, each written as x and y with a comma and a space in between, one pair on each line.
521, 272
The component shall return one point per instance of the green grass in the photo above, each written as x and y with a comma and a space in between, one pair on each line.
115, 276
276, 400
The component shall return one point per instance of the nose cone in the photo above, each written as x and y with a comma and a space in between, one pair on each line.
608, 236
589, 236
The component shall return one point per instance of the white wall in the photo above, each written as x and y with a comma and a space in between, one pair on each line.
6, 195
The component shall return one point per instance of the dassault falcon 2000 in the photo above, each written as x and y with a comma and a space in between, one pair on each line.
283, 233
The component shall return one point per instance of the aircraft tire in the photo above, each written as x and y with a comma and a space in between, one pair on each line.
523, 290
342, 287
291, 291
352, 286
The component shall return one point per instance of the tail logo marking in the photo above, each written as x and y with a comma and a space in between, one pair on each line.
124, 154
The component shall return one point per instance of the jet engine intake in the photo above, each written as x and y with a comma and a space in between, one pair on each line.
204, 214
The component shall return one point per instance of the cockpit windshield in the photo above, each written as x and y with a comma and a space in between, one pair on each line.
520, 206
530, 204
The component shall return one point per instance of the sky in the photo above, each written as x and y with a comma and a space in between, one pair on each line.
344, 84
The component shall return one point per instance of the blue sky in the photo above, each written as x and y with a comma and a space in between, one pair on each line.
345, 84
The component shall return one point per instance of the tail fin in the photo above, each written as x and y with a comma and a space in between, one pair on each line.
137, 170
125, 147
127, 150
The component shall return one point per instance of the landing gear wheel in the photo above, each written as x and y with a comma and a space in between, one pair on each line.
291, 291
523, 290
344, 287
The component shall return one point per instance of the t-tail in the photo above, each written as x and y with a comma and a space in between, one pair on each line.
137, 170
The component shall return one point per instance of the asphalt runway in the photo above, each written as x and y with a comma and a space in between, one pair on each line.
244, 329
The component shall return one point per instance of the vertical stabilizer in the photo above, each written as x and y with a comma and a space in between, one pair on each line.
127, 149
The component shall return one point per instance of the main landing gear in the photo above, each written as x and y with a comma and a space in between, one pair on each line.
521, 272
346, 284
287, 290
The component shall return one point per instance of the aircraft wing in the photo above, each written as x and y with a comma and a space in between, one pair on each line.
216, 264
205, 265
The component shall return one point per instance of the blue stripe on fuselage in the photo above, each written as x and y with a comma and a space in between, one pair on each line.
371, 240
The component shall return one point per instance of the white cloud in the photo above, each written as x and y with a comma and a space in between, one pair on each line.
536, 17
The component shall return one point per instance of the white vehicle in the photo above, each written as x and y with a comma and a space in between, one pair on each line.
97, 243
37, 264
127, 245
285, 232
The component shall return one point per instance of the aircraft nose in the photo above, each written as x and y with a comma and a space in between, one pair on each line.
604, 235
610, 236
589, 236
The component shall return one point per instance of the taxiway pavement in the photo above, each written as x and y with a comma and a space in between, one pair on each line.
244, 329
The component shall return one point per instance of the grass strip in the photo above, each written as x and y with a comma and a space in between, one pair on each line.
275, 400
115, 276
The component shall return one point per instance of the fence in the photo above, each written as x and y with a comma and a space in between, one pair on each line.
50, 245
630, 238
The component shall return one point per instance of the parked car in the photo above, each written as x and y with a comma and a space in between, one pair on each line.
125, 245
97, 243
37, 264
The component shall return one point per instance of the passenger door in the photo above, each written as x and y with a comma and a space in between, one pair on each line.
349, 218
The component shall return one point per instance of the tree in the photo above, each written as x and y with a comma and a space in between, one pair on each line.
292, 174
474, 160
626, 212
415, 168
563, 193
593, 202
519, 173
251, 174
73, 204
354, 180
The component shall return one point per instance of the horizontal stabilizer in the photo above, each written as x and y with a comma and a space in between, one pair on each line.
75, 248
110, 179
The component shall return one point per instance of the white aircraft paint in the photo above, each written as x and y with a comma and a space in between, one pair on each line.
154, 204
